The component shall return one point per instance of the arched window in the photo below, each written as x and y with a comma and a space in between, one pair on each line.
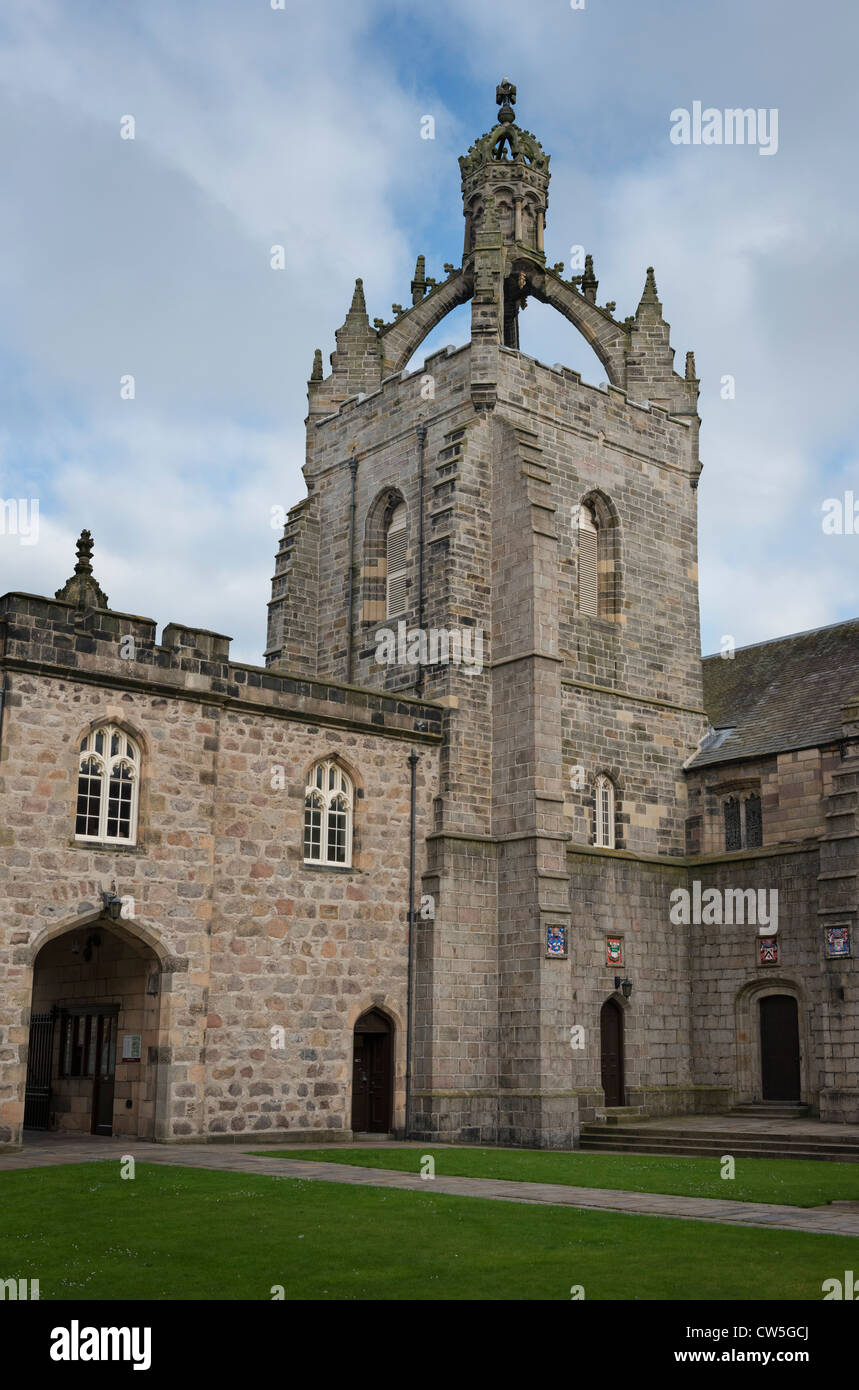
328, 815
604, 812
743, 822
588, 561
108, 786
598, 535
395, 546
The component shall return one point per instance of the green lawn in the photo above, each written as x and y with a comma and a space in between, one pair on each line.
785, 1181
179, 1233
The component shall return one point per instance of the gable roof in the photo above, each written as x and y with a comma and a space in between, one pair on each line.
780, 695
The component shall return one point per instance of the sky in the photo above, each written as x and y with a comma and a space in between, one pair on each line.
300, 126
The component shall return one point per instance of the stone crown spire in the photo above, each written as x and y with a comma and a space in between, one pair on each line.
509, 165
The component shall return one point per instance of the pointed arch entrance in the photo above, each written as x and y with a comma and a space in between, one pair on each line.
373, 1073
611, 1052
94, 1033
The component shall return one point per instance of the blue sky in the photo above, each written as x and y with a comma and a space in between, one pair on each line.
301, 127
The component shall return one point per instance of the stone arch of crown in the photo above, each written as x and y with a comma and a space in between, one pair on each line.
609, 340
400, 340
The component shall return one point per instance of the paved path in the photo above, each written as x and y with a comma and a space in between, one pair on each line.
829, 1220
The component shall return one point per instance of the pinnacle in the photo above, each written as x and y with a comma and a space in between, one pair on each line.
358, 303
649, 295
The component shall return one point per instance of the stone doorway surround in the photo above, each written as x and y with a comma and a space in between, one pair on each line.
749, 1083
126, 973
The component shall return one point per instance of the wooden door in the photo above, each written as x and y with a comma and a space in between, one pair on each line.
372, 1074
103, 1073
780, 1078
611, 1052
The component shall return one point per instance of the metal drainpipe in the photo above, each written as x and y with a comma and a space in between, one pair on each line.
422, 434
413, 764
353, 469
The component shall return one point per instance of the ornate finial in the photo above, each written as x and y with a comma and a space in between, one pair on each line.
419, 283
505, 95
590, 283
691, 374
84, 553
316, 374
82, 588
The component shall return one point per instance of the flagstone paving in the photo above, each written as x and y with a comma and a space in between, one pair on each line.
48, 1150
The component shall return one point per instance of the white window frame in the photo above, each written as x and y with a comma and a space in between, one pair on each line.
397, 523
128, 756
589, 593
328, 771
604, 812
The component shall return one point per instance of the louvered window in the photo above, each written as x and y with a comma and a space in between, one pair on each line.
604, 812
396, 557
588, 553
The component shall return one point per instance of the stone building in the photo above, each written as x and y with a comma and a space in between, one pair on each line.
484, 851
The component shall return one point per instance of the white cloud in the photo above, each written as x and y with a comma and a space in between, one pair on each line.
301, 127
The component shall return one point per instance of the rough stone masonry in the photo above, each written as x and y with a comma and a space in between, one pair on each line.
491, 957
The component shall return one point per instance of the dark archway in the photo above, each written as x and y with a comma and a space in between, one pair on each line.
94, 1033
780, 1070
611, 1052
373, 1073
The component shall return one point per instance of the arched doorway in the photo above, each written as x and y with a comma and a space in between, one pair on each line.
93, 1041
611, 1052
372, 1073
780, 1069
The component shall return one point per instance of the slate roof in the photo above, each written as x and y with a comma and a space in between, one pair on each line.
780, 695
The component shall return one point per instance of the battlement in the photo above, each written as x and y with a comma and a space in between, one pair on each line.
52, 637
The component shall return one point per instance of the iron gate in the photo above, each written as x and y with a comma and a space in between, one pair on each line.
37, 1098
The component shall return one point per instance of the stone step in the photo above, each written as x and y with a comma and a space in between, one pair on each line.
616, 1114
715, 1145
770, 1111
740, 1139
605, 1144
